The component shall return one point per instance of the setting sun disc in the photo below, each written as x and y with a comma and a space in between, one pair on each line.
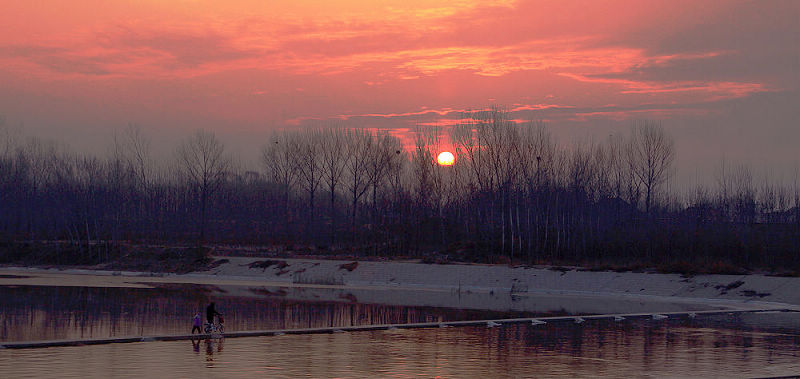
446, 158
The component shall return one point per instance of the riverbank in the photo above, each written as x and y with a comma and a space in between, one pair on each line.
467, 286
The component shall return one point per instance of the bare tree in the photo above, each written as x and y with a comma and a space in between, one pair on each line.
87, 180
433, 181
468, 145
280, 162
796, 192
8, 139
203, 160
360, 146
744, 194
138, 157
512, 186
335, 156
136, 152
651, 154
386, 149
7, 147
535, 158
384, 158
310, 170
490, 141
422, 162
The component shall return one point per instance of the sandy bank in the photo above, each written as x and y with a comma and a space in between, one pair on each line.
455, 285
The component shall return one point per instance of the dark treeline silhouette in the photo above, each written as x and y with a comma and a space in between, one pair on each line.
513, 194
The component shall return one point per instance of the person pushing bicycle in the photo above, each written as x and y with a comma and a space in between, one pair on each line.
211, 311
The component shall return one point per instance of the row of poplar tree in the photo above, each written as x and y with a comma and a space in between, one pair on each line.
514, 193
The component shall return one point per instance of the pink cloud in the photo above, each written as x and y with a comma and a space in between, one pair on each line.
628, 114
380, 65
713, 90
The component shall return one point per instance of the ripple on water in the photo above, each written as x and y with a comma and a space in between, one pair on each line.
690, 348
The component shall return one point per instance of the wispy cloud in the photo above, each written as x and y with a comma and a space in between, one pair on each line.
395, 64
712, 90
177, 49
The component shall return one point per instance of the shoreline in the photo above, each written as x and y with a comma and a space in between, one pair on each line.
470, 286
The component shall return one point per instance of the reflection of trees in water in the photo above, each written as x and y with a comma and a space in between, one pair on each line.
646, 344
41, 313
37, 312
676, 349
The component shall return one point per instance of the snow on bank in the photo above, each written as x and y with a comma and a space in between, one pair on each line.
523, 281
490, 287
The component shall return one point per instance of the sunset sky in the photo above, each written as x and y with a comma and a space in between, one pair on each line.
722, 76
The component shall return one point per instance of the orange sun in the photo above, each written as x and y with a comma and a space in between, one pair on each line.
446, 158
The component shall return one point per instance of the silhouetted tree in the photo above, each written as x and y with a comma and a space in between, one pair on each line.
359, 149
279, 158
335, 157
651, 155
310, 169
204, 163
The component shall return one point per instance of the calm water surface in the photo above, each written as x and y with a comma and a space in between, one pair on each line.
626, 349
34, 313
742, 345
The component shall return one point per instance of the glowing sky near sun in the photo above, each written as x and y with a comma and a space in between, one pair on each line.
706, 68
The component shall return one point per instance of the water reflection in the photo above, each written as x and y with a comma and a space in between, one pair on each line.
47, 313
671, 348
212, 346
747, 344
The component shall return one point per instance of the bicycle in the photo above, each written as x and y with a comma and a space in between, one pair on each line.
214, 328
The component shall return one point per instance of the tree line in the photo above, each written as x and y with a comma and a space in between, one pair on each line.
514, 194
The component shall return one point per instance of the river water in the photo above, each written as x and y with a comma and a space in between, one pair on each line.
758, 344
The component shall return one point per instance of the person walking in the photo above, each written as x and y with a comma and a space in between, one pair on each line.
196, 322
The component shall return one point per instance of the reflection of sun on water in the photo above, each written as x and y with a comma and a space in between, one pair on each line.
446, 158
